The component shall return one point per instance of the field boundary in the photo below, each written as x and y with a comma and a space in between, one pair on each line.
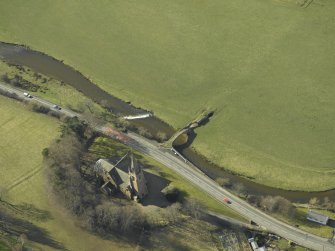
26, 177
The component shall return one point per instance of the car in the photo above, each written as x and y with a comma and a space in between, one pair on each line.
226, 200
26, 94
56, 107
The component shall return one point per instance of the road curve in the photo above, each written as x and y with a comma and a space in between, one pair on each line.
195, 176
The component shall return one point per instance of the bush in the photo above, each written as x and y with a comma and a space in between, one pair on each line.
74, 126
172, 213
5, 78
122, 124
194, 208
171, 193
36, 107
161, 136
54, 114
277, 204
144, 132
224, 182
239, 188
10, 95
45, 152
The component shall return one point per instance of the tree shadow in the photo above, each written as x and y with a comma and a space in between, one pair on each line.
15, 226
331, 223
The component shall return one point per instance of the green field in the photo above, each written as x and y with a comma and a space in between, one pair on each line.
23, 135
265, 66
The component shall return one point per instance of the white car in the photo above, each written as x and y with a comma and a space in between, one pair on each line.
26, 94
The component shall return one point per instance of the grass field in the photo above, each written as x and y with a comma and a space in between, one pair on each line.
23, 135
266, 66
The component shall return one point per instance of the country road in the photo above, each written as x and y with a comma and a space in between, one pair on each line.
194, 175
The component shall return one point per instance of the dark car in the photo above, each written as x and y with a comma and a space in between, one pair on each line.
56, 107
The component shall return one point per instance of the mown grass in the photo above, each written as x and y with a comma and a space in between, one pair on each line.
106, 148
23, 135
266, 66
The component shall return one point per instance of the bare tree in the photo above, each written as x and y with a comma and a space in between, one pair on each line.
173, 212
268, 203
224, 182
277, 204
314, 201
144, 132
161, 136
326, 203
91, 119
194, 208
239, 188
22, 240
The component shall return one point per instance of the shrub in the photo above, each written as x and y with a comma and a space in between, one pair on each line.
10, 95
161, 136
224, 182
171, 193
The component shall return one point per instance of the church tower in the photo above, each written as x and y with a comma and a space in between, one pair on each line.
137, 180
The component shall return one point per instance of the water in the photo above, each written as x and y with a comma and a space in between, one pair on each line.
49, 66
252, 188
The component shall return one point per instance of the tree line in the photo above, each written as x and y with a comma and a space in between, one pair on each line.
74, 185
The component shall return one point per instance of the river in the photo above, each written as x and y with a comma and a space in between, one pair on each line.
47, 65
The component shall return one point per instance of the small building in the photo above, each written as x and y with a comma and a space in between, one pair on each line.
316, 217
131, 184
255, 246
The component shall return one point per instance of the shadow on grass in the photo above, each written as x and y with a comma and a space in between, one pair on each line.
155, 186
15, 226
331, 223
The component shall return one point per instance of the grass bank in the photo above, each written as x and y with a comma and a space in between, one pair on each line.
311, 227
265, 66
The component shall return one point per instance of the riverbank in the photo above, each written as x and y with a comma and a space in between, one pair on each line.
275, 115
37, 59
